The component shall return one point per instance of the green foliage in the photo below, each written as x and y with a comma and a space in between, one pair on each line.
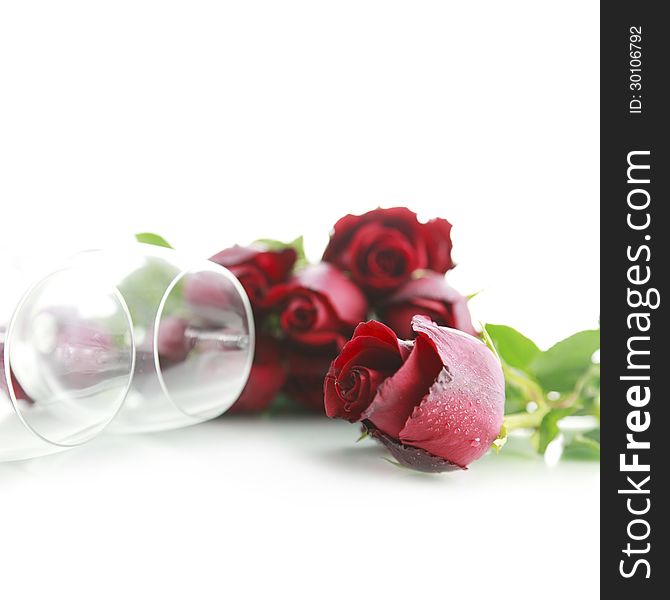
544, 387
513, 347
152, 238
560, 368
548, 429
584, 446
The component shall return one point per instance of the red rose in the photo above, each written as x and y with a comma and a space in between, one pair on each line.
318, 306
383, 247
429, 295
257, 267
306, 371
268, 374
436, 403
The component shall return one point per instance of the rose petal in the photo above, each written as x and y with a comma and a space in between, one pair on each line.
411, 457
377, 330
355, 401
398, 396
399, 316
462, 413
254, 282
274, 264
422, 294
346, 299
299, 314
277, 264
373, 346
235, 255
437, 234
373, 351
369, 245
337, 303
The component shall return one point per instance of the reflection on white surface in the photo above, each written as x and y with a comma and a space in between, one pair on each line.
250, 502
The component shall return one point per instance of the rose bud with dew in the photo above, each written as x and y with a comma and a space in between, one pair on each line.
428, 295
257, 267
382, 248
319, 306
435, 402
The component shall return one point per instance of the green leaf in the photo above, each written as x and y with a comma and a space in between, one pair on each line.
584, 446
488, 341
560, 368
513, 347
152, 238
549, 426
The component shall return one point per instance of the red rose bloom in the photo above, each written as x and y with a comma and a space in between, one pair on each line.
268, 374
429, 295
436, 403
318, 306
383, 247
257, 267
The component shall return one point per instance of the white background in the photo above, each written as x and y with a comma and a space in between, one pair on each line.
221, 122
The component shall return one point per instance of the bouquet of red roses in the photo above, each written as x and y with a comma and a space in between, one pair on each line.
384, 264
375, 334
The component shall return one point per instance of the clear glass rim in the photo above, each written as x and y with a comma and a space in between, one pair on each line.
214, 267
96, 429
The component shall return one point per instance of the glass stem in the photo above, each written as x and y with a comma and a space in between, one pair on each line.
223, 337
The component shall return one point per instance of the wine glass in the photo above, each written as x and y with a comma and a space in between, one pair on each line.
133, 339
